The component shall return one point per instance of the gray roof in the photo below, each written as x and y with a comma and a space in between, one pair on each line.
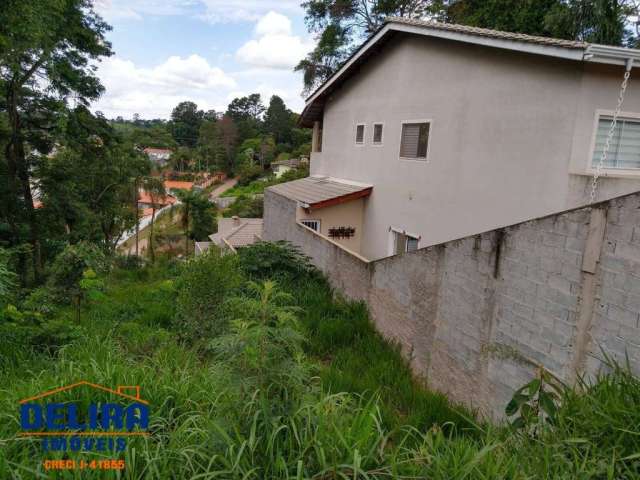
486, 32
314, 190
238, 232
291, 162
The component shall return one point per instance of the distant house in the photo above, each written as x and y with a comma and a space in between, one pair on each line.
173, 185
281, 167
146, 203
159, 156
233, 233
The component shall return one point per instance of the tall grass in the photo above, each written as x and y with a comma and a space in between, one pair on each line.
362, 417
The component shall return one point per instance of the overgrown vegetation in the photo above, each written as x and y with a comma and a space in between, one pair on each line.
254, 369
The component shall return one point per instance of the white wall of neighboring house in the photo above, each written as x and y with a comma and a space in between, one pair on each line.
280, 170
510, 140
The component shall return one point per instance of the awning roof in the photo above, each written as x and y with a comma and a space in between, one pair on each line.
319, 192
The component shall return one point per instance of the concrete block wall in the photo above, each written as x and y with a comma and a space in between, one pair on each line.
475, 317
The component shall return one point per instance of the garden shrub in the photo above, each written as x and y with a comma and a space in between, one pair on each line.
203, 287
264, 260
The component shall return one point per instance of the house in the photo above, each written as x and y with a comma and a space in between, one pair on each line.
280, 167
173, 185
159, 156
431, 132
233, 233
145, 201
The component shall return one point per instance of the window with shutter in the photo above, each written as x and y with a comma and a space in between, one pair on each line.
359, 134
624, 151
377, 134
403, 243
415, 141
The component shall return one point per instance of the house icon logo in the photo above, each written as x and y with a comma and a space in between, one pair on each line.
66, 421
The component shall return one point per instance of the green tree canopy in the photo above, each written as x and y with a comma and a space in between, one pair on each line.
279, 120
246, 112
46, 53
186, 120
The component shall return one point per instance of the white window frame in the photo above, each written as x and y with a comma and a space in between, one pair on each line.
373, 132
608, 171
311, 220
416, 160
364, 134
392, 239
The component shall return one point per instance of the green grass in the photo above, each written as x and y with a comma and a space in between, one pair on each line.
253, 188
361, 416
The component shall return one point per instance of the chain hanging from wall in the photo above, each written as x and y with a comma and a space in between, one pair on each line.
612, 131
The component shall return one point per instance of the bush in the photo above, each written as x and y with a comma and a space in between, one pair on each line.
264, 260
249, 172
69, 266
20, 329
245, 207
128, 262
203, 287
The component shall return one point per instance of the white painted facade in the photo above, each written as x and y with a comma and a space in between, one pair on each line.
511, 137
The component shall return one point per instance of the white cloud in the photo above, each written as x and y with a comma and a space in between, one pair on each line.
153, 92
275, 46
213, 11
273, 24
245, 10
138, 9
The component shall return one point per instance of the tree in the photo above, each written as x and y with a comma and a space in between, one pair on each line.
87, 187
46, 50
154, 186
597, 21
181, 159
186, 120
246, 112
522, 16
228, 136
343, 24
209, 144
198, 219
279, 120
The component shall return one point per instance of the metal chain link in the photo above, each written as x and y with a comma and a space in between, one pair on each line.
612, 131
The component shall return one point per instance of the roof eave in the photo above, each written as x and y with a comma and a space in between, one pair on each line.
341, 199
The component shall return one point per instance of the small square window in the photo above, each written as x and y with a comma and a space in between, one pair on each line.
377, 133
415, 140
359, 134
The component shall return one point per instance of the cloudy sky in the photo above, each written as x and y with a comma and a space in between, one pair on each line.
207, 51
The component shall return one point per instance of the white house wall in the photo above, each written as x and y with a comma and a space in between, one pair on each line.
506, 130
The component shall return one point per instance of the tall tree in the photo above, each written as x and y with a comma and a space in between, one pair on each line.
154, 186
209, 142
87, 186
522, 16
46, 49
246, 112
597, 21
279, 120
228, 138
342, 25
186, 120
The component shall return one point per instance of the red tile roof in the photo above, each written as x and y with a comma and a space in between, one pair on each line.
178, 185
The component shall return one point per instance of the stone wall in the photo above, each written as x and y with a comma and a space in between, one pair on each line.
476, 316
